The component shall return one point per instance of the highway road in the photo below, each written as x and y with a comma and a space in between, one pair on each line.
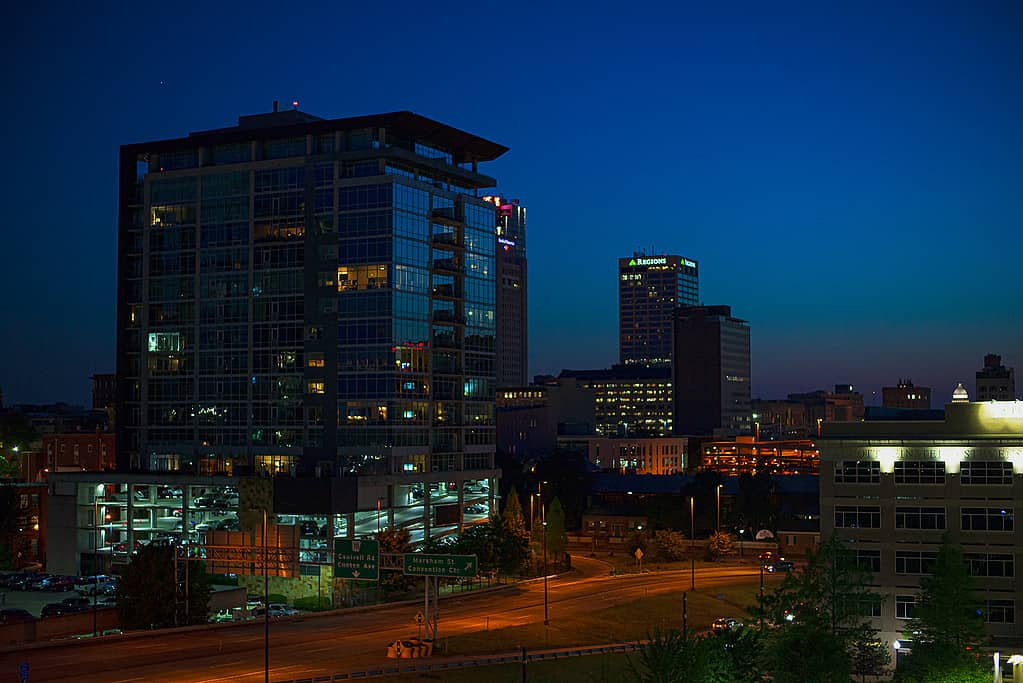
321, 645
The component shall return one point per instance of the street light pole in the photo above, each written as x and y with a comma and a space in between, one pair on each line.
718, 492
761, 594
95, 555
692, 537
543, 517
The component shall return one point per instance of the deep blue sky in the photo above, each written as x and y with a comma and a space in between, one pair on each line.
849, 175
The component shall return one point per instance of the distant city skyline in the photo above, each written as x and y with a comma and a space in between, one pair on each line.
846, 177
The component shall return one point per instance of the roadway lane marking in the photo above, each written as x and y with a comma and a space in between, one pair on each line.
324, 649
125, 680
214, 666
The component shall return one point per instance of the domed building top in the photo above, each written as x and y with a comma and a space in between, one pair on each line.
959, 394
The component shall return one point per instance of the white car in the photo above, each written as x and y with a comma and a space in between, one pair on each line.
278, 609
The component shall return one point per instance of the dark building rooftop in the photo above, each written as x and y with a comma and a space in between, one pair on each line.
620, 372
465, 147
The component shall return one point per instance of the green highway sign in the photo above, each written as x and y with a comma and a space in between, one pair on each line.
356, 559
421, 564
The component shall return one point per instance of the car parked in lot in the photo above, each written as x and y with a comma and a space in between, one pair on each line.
17, 579
222, 616
13, 615
725, 624
780, 566
96, 584
77, 602
56, 609
59, 584
278, 609
769, 555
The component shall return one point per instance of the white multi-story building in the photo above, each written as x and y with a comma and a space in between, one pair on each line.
893, 488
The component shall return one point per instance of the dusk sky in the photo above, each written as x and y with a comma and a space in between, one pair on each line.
848, 175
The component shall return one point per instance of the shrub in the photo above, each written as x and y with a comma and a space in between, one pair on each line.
308, 603
670, 545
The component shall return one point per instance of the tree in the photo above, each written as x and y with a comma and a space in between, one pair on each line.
670, 545
828, 594
394, 540
148, 597
637, 540
743, 648
671, 657
16, 434
512, 514
948, 612
567, 477
798, 653
947, 623
869, 656
557, 541
719, 544
512, 538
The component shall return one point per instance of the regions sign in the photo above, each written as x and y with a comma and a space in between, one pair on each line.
356, 559
421, 564
658, 261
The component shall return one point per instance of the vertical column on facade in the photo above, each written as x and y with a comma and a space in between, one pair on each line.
350, 519
390, 506
461, 505
426, 511
130, 511
186, 503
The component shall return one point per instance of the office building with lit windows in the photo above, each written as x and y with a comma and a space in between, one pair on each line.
511, 311
650, 288
310, 297
906, 396
893, 488
628, 400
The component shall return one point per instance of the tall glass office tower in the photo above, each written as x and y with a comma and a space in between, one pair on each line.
649, 290
308, 296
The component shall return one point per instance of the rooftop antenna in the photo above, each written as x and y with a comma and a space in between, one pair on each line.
276, 106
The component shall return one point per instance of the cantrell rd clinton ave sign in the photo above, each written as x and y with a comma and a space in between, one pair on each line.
356, 559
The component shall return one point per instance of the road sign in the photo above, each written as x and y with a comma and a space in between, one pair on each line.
420, 618
638, 553
421, 564
356, 559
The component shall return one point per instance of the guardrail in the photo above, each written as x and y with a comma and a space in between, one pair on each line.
470, 661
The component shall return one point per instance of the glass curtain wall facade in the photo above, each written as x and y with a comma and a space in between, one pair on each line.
303, 296
649, 290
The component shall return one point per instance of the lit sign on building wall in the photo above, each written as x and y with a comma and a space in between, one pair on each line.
689, 264
506, 242
658, 261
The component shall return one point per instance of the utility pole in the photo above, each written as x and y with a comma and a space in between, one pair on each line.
543, 518
761, 594
718, 491
692, 539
